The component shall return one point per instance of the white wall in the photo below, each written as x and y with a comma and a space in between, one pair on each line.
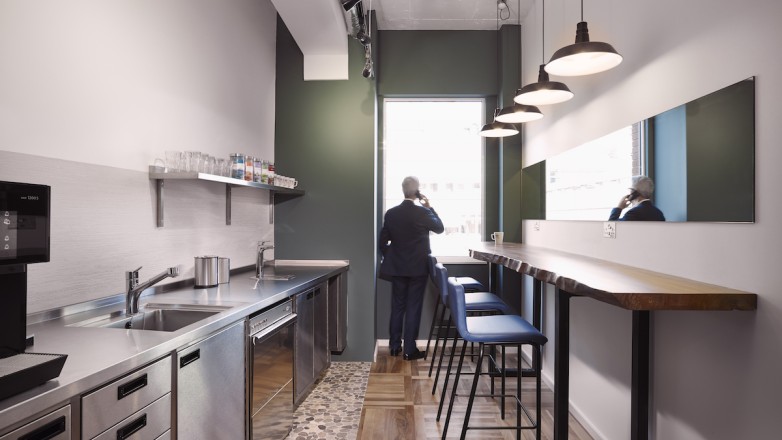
92, 91
715, 374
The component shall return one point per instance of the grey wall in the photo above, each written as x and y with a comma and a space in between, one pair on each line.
715, 374
325, 137
91, 92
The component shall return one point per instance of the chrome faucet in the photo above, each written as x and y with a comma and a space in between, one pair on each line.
134, 289
262, 246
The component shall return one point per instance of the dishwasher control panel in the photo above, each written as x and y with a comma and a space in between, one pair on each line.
268, 317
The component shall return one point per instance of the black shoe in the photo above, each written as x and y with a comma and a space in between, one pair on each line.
395, 351
415, 355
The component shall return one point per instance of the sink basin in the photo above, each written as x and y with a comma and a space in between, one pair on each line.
155, 317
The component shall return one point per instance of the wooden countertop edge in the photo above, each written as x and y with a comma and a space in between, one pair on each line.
722, 299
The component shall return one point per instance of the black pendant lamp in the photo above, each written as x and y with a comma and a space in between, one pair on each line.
584, 57
498, 128
517, 113
543, 92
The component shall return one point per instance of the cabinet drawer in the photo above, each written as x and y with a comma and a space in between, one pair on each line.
55, 426
108, 405
148, 424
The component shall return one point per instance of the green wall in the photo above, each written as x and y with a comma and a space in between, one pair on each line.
325, 137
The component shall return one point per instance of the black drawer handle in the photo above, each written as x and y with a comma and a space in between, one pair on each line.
189, 358
132, 427
47, 431
310, 295
128, 388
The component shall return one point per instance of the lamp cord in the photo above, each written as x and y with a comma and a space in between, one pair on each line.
543, 39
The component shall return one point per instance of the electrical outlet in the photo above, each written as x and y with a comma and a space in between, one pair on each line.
536, 225
609, 229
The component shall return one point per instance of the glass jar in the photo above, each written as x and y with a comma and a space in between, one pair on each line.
257, 168
271, 173
237, 166
248, 168
265, 171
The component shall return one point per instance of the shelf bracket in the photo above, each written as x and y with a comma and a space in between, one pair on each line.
228, 205
159, 193
271, 207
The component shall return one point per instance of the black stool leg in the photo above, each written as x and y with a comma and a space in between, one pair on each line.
447, 375
453, 393
518, 392
437, 339
538, 368
442, 355
472, 392
431, 332
502, 384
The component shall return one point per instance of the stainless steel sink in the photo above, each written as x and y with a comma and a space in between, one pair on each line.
155, 317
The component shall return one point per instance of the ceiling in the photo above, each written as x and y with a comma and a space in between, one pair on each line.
444, 14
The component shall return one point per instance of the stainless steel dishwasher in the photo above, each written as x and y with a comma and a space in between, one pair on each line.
270, 378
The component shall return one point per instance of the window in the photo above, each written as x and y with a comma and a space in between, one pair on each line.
438, 142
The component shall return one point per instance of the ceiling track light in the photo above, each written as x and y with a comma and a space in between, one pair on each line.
545, 91
584, 57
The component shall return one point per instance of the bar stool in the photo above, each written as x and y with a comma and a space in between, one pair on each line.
475, 302
495, 330
470, 285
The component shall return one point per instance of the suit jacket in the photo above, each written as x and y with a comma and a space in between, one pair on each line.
404, 239
644, 211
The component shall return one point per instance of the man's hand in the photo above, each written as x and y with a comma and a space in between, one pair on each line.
624, 202
424, 201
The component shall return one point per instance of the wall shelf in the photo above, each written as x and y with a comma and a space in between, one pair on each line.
160, 177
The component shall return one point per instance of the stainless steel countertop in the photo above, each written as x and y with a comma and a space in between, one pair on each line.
98, 355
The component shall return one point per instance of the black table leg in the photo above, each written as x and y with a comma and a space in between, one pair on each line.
537, 293
494, 276
561, 364
639, 398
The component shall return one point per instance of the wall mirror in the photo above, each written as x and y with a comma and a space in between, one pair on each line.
700, 154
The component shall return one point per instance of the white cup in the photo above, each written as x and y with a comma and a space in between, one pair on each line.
497, 237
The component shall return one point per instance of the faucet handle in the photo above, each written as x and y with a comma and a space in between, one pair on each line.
133, 273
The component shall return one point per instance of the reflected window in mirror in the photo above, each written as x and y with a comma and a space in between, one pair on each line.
701, 156
584, 183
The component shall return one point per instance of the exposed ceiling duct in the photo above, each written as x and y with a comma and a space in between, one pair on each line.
358, 29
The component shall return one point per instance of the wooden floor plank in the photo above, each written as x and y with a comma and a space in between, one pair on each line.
399, 404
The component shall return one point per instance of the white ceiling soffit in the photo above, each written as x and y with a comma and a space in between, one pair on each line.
320, 31
405, 15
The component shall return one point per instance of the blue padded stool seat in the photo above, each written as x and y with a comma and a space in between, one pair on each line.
502, 329
485, 301
470, 284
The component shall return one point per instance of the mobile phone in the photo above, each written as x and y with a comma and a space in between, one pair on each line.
418, 194
633, 195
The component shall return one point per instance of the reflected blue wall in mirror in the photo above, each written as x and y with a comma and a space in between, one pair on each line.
700, 154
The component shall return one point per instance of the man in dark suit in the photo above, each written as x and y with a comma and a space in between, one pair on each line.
404, 243
643, 209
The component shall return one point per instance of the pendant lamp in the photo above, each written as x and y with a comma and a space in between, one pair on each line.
584, 57
516, 113
544, 91
497, 128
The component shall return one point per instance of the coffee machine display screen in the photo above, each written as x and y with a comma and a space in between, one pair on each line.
24, 223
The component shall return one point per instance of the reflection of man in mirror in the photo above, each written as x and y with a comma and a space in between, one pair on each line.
642, 208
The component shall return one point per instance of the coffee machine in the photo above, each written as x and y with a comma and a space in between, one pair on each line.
24, 239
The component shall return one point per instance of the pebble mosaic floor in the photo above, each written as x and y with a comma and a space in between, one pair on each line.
332, 411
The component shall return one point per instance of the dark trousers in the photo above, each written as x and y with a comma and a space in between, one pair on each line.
407, 300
